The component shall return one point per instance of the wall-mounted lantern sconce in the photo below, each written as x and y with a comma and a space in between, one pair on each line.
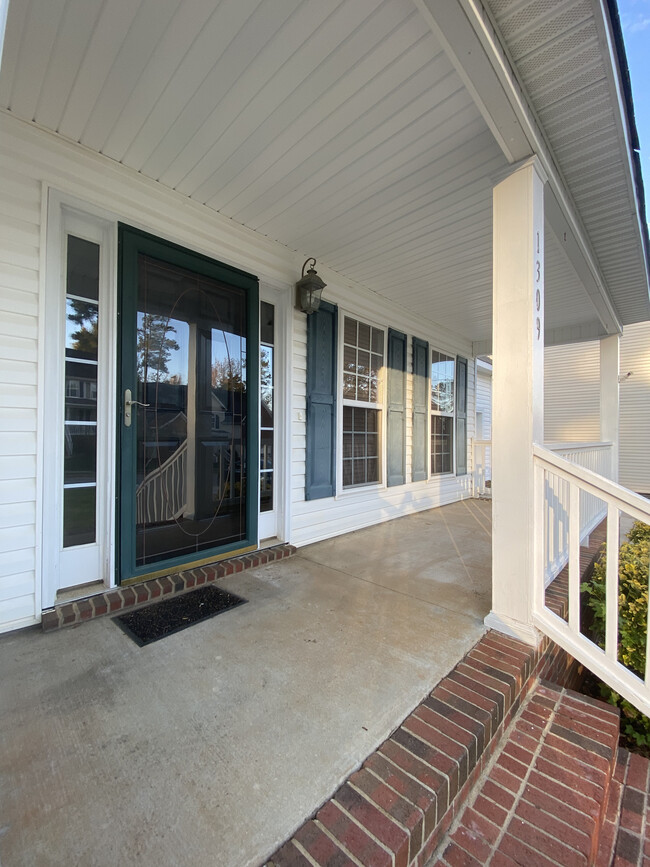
309, 289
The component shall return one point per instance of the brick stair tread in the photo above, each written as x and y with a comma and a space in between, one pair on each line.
543, 799
625, 835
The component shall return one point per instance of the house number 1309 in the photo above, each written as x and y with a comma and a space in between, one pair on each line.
538, 294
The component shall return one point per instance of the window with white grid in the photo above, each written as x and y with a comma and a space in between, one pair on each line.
442, 412
363, 360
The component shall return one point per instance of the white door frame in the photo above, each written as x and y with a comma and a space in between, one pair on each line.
276, 523
67, 567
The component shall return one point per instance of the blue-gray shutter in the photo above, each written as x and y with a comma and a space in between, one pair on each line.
461, 416
420, 409
396, 399
320, 470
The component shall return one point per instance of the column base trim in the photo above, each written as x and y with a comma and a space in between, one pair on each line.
525, 632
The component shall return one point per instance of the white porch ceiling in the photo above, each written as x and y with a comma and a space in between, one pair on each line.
557, 48
339, 128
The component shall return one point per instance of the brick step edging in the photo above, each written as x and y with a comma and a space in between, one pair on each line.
397, 807
126, 598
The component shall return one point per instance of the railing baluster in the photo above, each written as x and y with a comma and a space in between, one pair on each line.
558, 485
611, 580
647, 638
574, 557
540, 543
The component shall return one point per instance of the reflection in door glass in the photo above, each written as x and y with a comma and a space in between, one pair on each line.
267, 316
80, 424
191, 367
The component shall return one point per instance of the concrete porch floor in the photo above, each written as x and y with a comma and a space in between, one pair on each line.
211, 746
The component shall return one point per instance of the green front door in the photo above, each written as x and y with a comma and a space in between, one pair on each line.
188, 424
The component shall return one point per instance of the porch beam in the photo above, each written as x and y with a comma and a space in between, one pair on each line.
610, 397
451, 26
518, 392
470, 40
564, 334
559, 336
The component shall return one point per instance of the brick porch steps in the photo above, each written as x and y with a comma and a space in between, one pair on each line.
398, 806
625, 836
543, 799
121, 599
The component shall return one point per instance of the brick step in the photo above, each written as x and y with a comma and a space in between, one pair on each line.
120, 599
543, 800
395, 810
398, 807
625, 836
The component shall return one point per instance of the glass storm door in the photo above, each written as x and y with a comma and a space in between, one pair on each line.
188, 420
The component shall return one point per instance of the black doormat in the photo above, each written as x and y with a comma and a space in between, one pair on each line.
164, 618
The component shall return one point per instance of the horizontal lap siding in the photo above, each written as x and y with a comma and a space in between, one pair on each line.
361, 507
20, 236
572, 400
572, 393
484, 403
635, 408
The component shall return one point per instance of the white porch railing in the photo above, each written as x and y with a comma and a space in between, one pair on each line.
482, 468
551, 468
596, 457
161, 495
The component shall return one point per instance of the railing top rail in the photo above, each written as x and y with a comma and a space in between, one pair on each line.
636, 505
574, 447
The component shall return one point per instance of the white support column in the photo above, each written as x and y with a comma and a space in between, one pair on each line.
609, 396
517, 392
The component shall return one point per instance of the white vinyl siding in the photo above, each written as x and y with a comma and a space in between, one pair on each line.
20, 238
484, 401
634, 450
572, 393
572, 400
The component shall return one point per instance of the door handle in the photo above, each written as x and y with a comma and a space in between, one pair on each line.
128, 403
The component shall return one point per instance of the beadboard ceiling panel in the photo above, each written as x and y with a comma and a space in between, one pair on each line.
339, 128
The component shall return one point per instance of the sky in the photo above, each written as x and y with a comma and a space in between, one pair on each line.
635, 18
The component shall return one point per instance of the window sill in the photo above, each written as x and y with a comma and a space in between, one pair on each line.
343, 493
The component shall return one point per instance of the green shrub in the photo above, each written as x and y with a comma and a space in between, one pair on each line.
634, 564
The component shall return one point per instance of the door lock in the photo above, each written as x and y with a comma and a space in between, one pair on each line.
128, 403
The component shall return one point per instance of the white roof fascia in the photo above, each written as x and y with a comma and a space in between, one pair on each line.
611, 61
467, 35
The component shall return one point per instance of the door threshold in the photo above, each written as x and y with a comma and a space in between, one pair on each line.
270, 542
79, 591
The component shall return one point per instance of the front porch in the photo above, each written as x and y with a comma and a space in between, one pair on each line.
213, 745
